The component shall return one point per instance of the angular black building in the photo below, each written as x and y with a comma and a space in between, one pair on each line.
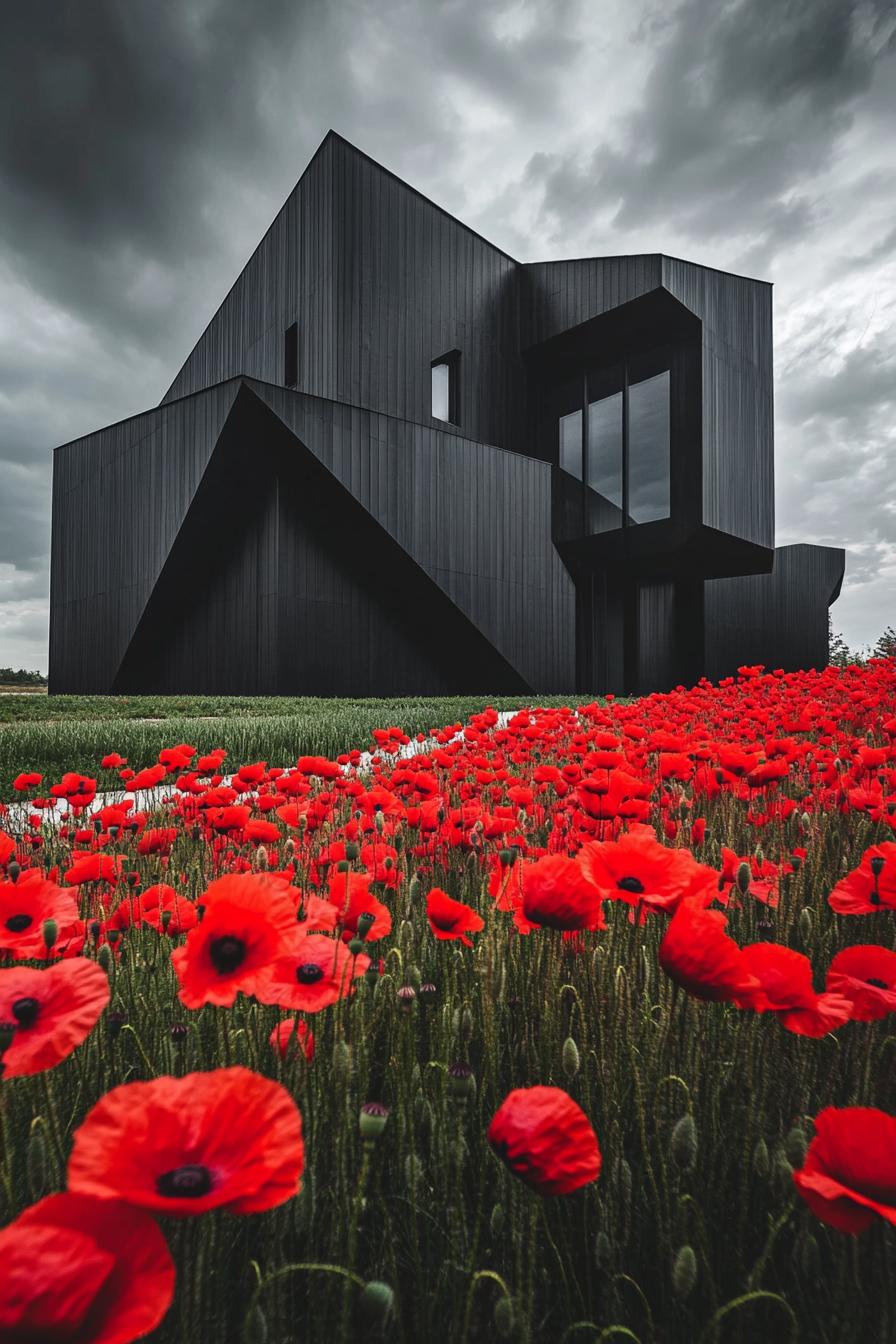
398, 461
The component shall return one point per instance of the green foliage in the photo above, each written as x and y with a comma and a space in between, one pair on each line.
8, 677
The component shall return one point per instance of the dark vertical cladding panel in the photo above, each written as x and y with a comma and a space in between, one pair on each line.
289, 278
120, 496
738, 494
556, 295
778, 619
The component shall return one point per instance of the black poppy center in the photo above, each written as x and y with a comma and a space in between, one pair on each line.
874, 897
631, 884
25, 1011
185, 1183
227, 954
872, 980
18, 923
309, 973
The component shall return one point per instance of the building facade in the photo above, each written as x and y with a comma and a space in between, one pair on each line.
398, 461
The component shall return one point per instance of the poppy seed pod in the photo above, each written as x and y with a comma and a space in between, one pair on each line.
743, 878
461, 1082
372, 1120
546, 1140
406, 996
365, 923
50, 931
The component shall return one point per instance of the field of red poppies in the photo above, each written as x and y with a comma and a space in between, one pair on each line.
562, 1025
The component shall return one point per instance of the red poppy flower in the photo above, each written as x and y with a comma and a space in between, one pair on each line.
93, 868
157, 840
26, 905
27, 780
113, 761
450, 919
350, 893
83, 1272
557, 893
229, 1139
546, 1140
250, 921
316, 974
637, 869
146, 779
52, 1010
160, 907
292, 1034
871, 886
866, 975
262, 832
849, 1174
698, 954
785, 988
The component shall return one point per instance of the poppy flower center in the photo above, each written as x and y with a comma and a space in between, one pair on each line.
872, 980
191, 1182
309, 973
631, 884
227, 954
25, 1011
18, 923
444, 922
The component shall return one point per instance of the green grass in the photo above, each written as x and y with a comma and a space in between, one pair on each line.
52, 734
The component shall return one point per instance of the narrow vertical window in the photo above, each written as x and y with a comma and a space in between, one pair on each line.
291, 356
648, 450
444, 387
571, 444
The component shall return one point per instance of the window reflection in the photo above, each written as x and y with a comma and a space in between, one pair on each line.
441, 391
648, 449
571, 443
603, 502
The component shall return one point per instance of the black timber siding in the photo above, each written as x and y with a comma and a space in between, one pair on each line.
778, 619
473, 521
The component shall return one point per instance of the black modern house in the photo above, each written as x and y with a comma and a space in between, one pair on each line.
399, 461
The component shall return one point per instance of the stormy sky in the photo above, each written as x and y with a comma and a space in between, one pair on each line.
145, 146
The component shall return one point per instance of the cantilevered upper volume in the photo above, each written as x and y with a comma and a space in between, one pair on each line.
399, 461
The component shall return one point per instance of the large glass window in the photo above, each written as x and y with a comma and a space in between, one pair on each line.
648, 449
624, 414
571, 444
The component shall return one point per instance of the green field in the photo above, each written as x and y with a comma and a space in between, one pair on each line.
52, 734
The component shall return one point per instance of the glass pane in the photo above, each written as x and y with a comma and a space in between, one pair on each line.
604, 493
648, 449
441, 389
571, 443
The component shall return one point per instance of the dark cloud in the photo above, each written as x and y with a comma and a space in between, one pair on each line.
145, 147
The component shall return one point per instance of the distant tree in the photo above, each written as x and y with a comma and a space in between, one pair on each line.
886, 645
839, 652
21, 678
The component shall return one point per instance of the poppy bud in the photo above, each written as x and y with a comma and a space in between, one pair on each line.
808, 1257
683, 1144
684, 1271
465, 1023
624, 1177
50, 932
36, 1160
342, 1062
503, 1317
414, 890
782, 1172
377, 1300
461, 1083
261, 858
255, 1327
496, 1221
356, 945
112, 936
805, 926
104, 957
365, 923
289, 847
379, 822
743, 878
352, 852
796, 862
93, 930
372, 1120
406, 996
569, 1058
795, 1146
13, 869
761, 1160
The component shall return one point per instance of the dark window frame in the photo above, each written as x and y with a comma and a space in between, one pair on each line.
291, 355
451, 359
